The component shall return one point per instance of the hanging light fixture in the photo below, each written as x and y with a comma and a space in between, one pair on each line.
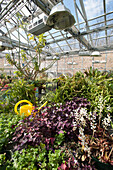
72, 63
95, 54
99, 61
53, 58
60, 17
84, 53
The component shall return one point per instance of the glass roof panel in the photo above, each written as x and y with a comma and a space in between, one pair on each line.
93, 8
25, 11
92, 21
70, 4
109, 5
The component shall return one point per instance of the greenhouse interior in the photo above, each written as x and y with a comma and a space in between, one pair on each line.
56, 85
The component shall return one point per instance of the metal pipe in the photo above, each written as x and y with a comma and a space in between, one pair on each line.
75, 33
104, 4
99, 23
87, 25
18, 9
5, 8
96, 17
96, 30
80, 12
105, 60
43, 6
76, 14
2, 15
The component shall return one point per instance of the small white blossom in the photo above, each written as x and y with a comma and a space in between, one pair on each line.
106, 121
75, 161
108, 108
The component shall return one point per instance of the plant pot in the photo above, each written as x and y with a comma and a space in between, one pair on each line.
102, 166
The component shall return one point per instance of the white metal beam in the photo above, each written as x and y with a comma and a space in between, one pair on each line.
76, 13
97, 29
86, 21
104, 5
75, 33
8, 8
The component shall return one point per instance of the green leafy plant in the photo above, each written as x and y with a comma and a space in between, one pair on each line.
36, 158
91, 85
2, 159
27, 159
19, 90
55, 159
8, 124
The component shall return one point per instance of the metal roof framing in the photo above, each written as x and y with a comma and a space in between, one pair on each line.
76, 32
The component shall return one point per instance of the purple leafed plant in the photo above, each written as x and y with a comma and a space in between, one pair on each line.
50, 121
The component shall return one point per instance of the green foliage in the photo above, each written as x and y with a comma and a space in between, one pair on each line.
8, 123
19, 90
2, 159
23, 54
10, 60
2, 76
68, 87
60, 135
36, 158
18, 74
92, 85
41, 42
100, 87
25, 160
55, 159
60, 138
